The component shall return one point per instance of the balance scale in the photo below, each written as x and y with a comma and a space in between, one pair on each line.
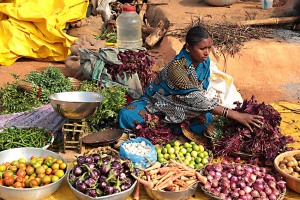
76, 107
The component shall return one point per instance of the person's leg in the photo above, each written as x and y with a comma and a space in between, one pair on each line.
199, 126
132, 114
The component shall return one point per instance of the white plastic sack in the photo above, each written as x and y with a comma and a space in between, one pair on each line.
221, 87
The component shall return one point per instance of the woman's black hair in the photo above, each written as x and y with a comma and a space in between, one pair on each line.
196, 34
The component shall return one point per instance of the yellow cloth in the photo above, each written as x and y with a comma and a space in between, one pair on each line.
34, 28
290, 125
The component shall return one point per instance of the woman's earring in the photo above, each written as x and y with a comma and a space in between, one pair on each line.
187, 50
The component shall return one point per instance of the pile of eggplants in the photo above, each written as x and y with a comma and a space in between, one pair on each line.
100, 175
242, 181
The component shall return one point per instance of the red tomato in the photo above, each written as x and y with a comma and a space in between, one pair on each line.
8, 173
1, 182
19, 179
17, 185
21, 173
33, 183
9, 180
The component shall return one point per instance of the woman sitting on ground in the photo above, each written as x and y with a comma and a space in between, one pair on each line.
178, 92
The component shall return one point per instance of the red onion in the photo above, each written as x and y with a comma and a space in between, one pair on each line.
269, 177
252, 177
281, 184
247, 189
258, 186
263, 170
235, 194
272, 197
242, 192
262, 194
207, 185
241, 184
237, 159
272, 184
234, 179
214, 183
238, 168
255, 193
225, 191
249, 197
212, 173
238, 172
218, 175
217, 167
209, 177
276, 192
228, 198
232, 185
268, 191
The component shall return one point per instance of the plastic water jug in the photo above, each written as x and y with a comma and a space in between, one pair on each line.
129, 29
266, 4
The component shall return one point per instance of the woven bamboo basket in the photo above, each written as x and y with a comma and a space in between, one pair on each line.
105, 150
198, 139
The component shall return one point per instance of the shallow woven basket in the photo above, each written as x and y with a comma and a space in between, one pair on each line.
108, 150
199, 139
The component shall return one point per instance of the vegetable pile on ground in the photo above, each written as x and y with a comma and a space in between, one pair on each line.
265, 142
14, 137
14, 99
133, 62
193, 155
36, 172
170, 176
154, 130
242, 181
100, 174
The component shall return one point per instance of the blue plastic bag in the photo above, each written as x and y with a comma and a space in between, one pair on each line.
139, 161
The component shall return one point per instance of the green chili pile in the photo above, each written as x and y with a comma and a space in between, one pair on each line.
15, 137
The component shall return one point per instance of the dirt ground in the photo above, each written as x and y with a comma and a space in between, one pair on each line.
269, 69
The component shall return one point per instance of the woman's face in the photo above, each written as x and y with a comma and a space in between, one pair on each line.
200, 52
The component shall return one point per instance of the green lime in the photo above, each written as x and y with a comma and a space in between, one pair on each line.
161, 159
200, 165
201, 148
183, 151
205, 153
198, 160
194, 154
195, 147
171, 150
186, 145
201, 155
189, 149
187, 154
188, 158
192, 143
172, 156
158, 150
177, 149
176, 143
186, 162
166, 156
164, 150
168, 146
192, 166
204, 161
160, 155
197, 166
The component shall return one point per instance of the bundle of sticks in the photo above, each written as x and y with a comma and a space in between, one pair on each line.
170, 176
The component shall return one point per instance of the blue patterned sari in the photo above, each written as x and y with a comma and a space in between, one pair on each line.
177, 94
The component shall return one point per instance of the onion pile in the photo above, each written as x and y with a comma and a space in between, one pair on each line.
242, 181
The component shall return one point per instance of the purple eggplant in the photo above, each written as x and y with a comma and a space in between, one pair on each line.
127, 164
94, 174
80, 160
91, 192
102, 178
105, 168
72, 179
80, 186
96, 157
116, 187
113, 174
105, 160
116, 164
125, 186
102, 185
77, 170
122, 176
89, 159
91, 165
108, 190
90, 182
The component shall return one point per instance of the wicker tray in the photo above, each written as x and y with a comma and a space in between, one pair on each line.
199, 139
104, 150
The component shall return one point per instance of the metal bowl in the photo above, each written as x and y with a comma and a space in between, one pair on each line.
9, 193
76, 105
169, 195
118, 196
220, 2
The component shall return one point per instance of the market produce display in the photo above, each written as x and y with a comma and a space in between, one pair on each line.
36, 172
101, 174
192, 154
14, 137
242, 181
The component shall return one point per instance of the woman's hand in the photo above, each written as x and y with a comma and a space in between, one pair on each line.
246, 119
